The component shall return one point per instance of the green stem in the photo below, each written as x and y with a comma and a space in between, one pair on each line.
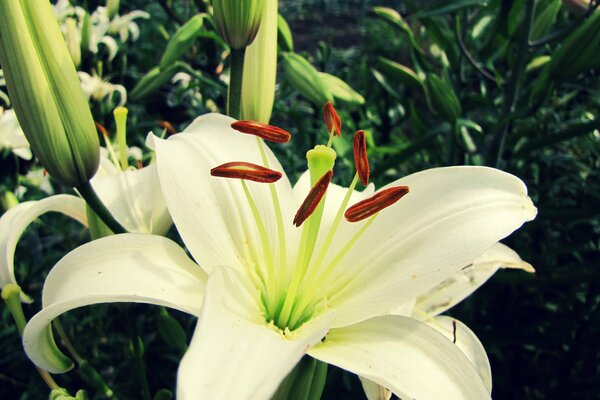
234, 101
89, 195
514, 84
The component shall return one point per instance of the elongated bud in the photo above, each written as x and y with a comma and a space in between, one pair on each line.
238, 21
332, 119
263, 131
260, 69
112, 6
400, 73
86, 31
182, 40
46, 93
153, 80
441, 98
73, 40
284, 35
341, 91
371, 206
247, 171
309, 205
360, 157
305, 79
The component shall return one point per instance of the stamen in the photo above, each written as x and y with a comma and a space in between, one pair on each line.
245, 170
108, 144
332, 119
364, 209
313, 199
360, 157
166, 125
263, 131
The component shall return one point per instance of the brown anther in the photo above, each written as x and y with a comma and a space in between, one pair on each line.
360, 157
332, 119
247, 171
167, 126
101, 128
313, 199
140, 165
366, 208
263, 131
453, 331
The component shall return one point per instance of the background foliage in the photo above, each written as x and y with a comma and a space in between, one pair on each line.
542, 332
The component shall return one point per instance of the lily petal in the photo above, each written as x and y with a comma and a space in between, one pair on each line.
14, 222
135, 199
468, 343
227, 229
460, 285
234, 353
406, 356
449, 218
120, 268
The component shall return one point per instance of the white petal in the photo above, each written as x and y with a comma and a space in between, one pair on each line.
14, 222
460, 285
212, 214
468, 343
121, 268
449, 218
234, 353
135, 199
373, 391
406, 356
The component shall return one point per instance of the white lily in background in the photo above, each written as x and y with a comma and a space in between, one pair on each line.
12, 136
266, 301
133, 196
100, 89
428, 306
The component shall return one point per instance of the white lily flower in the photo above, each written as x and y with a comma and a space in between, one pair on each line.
258, 270
133, 197
100, 89
12, 136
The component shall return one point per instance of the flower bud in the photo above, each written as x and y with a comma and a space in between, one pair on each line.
46, 93
112, 6
305, 79
260, 69
73, 39
238, 21
182, 40
153, 80
441, 98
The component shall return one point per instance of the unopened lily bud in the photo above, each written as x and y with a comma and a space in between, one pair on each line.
112, 6
284, 35
45, 90
86, 31
341, 90
260, 69
153, 80
305, 79
238, 21
73, 40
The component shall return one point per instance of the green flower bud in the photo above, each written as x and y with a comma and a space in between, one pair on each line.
305, 79
86, 31
182, 40
284, 35
238, 21
73, 40
400, 73
112, 6
260, 69
44, 87
341, 90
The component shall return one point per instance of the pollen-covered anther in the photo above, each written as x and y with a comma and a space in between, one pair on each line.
247, 171
332, 119
166, 125
371, 206
267, 132
360, 157
313, 199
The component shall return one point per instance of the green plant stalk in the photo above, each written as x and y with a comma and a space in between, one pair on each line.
234, 97
514, 84
91, 197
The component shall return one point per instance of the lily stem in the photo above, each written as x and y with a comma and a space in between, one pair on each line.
234, 101
91, 198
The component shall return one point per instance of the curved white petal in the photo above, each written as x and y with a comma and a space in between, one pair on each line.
14, 222
120, 268
406, 356
468, 343
460, 285
449, 218
212, 214
374, 391
135, 199
235, 353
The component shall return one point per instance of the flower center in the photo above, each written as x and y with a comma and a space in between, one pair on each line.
293, 291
